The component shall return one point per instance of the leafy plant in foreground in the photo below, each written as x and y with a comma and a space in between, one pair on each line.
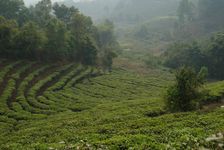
185, 94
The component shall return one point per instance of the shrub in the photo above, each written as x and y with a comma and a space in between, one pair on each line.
185, 94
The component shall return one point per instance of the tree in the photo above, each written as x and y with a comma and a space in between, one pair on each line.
41, 12
88, 53
29, 42
185, 11
106, 33
8, 29
185, 95
107, 58
107, 43
180, 54
64, 13
81, 28
24, 16
11, 9
52, 35
216, 56
80, 25
57, 35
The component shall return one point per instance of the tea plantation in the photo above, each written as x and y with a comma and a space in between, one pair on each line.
71, 106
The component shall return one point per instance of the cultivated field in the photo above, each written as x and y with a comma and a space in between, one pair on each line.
71, 106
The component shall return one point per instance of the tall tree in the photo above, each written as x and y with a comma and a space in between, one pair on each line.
29, 42
63, 12
8, 30
81, 29
57, 35
180, 54
11, 9
185, 95
107, 43
88, 53
216, 56
185, 11
80, 25
41, 12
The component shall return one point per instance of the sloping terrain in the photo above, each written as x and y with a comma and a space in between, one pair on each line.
71, 106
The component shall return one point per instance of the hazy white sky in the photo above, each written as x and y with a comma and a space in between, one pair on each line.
29, 2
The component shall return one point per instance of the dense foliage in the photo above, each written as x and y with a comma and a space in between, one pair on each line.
185, 94
180, 54
209, 54
53, 33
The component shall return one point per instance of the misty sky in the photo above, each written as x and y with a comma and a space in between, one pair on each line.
29, 2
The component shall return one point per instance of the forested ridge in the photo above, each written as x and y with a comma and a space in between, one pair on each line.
53, 32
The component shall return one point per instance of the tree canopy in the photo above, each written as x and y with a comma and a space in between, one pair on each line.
52, 32
198, 55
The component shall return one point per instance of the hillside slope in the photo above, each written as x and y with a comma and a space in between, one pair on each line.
44, 106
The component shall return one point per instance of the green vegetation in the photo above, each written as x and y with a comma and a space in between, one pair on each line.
198, 55
46, 106
54, 33
186, 35
62, 89
185, 95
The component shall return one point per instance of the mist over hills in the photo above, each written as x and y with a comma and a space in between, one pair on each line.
121, 11
33, 2
126, 11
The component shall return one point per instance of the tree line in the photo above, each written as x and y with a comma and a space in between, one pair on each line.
209, 53
194, 60
53, 32
199, 18
195, 51
209, 11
